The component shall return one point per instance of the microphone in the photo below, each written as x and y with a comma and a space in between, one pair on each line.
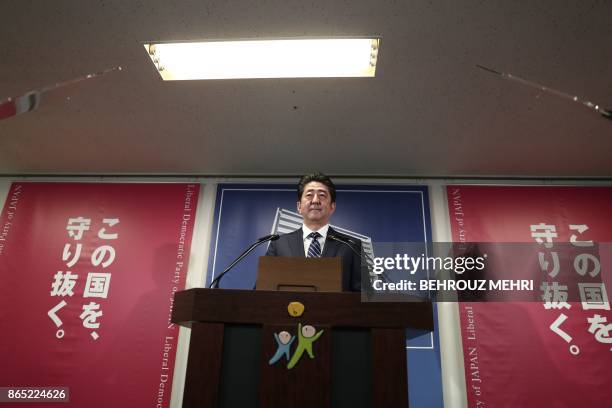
346, 241
349, 243
271, 237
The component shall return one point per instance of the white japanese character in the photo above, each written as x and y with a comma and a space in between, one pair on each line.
594, 296
555, 327
98, 255
77, 226
544, 263
63, 284
581, 264
102, 234
544, 233
573, 239
601, 330
554, 295
90, 315
67, 254
53, 313
97, 285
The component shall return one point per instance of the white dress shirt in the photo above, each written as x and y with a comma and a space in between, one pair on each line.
307, 241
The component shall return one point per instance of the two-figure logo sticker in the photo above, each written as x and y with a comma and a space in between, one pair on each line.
306, 335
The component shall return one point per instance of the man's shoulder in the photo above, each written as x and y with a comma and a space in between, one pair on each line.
291, 234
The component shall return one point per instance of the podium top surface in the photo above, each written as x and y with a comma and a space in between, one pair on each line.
343, 309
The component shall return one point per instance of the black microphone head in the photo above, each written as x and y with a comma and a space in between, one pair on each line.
341, 239
271, 237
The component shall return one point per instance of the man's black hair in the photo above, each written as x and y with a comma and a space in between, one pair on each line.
321, 178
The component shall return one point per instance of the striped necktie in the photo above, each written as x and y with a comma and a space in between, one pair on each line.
314, 250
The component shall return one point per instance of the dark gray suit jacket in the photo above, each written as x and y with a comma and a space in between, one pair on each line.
292, 244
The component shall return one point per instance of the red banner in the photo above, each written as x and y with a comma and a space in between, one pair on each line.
548, 354
88, 274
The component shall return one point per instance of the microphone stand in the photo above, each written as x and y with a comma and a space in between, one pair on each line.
215, 282
349, 243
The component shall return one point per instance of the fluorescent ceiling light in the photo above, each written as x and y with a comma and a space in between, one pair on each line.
352, 57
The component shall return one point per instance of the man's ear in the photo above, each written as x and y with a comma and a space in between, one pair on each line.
298, 206
333, 208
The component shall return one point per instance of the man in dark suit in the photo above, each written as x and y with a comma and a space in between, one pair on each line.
316, 203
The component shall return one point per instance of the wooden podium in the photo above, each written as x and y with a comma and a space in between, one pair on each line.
359, 360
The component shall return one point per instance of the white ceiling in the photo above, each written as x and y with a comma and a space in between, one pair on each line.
428, 112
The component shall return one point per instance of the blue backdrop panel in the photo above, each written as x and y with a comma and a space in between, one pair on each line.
245, 212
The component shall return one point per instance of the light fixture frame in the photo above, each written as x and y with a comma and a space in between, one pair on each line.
166, 75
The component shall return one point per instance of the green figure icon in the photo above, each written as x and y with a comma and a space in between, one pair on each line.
306, 336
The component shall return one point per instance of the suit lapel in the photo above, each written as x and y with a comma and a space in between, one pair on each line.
331, 247
296, 243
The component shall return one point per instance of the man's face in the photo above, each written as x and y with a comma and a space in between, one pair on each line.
315, 205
